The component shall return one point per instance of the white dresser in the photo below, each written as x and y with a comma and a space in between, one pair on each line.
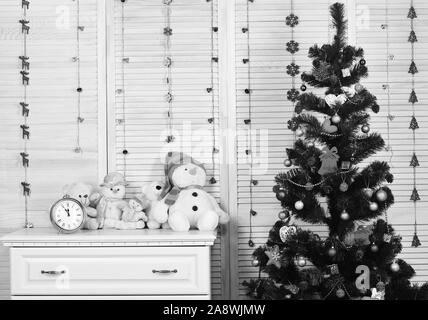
109, 264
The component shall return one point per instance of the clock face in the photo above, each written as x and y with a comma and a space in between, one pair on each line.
67, 215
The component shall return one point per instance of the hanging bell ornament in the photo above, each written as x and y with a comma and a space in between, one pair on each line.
381, 195
340, 293
301, 262
299, 205
336, 119
344, 215
299, 132
287, 163
255, 263
395, 267
365, 128
343, 187
332, 251
374, 206
368, 193
374, 248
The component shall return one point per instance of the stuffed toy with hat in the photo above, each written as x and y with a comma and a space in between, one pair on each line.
152, 192
186, 204
112, 206
82, 191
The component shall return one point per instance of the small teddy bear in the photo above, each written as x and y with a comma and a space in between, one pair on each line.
187, 205
152, 192
82, 192
137, 204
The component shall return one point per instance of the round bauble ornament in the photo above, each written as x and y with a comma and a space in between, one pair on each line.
288, 296
299, 132
368, 192
287, 163
365, 128
283, 215
309, 186
381, 195
374, 206
299, 205
332, 252
301, 262
335, 119
251, 243
303, 87
395, 267
343, 187
344, 215
280, 195
359, 254
255, 263
358, 87
340, 293
374, 248
363, 62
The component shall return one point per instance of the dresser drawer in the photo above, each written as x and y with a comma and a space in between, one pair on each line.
110, 271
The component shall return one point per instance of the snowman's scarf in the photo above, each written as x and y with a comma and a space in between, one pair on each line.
173, 194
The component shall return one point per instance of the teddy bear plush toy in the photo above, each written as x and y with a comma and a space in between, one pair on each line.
111, 205
186, 204
152, 193
137, 204
82, 192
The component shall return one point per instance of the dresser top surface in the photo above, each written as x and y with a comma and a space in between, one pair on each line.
51, 237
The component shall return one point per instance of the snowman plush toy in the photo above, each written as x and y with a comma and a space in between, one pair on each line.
186, 204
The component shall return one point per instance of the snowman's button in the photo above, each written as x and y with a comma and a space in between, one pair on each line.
195, 208
195, 194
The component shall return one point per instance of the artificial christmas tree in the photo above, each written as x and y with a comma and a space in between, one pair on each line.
351, 263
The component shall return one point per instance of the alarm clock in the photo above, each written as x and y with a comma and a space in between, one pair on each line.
67, 215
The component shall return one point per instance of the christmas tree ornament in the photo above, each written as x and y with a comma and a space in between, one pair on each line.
363, 62
299, 132
373, 206
336, 119
365, 128
412, 37
292, 46
413, 97
303, 87
333, 100
328, 127
287, 163
255, 263
415, 195
344, 215
374, 248
415, 241
359, 255
414, 162
274, 256
346, 73
350, 92
285, 214
368, 193
340, 293
287, 231
358, 88
412, 13
251, 243
343, 187
311, 144
413, 69
381, 195
333, 269
293, 69
281, 195
292, 20
395, 267
346, 165
329, 160
332, 251
301, 261
309, 186
299, 205
287, 296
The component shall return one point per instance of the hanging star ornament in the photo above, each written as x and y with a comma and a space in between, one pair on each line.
412, 13
414, 162
413, 69
274, 257
416, 242
414, 123
415, 195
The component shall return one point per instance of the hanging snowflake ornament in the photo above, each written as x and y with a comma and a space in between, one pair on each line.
293, 95
292, 46
293, 69
167, 31
274, 256
292, 20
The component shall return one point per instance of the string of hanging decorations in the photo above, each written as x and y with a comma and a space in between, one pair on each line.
212, 92
248, 122
122, 90
25, 108
79, 89
413, 122
168, 61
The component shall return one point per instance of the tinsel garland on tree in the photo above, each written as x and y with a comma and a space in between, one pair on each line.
352, 262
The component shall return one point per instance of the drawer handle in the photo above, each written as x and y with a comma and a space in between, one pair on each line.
54, 273
165, 271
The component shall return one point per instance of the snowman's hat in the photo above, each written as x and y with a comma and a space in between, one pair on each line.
114, 179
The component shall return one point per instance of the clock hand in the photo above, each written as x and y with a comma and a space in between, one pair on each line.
67, 210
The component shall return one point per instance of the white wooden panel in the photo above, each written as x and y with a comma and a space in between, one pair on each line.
271, 110
145, 88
